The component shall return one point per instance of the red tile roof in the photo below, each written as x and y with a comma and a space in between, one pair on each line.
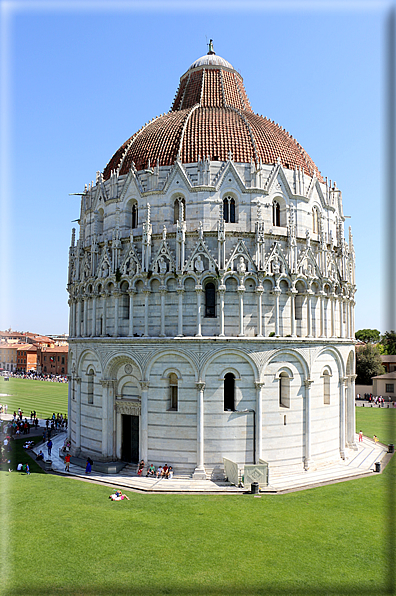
211, 115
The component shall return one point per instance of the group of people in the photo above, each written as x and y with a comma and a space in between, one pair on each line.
377, 400
161, 472
38, 377
3, 408
57, 422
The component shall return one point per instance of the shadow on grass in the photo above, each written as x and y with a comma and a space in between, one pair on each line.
272, 589
20, 455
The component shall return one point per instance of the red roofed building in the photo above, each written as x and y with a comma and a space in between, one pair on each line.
52, 360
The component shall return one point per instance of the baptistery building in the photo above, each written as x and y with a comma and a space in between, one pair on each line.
211, 294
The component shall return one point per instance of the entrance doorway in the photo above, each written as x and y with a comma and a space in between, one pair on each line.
130, 438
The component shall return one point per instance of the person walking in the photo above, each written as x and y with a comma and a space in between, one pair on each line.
49, 447
360, 436
67, 462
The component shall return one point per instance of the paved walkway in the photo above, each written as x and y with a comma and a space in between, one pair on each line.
357, 463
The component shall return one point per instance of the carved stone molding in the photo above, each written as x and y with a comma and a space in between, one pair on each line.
129, 407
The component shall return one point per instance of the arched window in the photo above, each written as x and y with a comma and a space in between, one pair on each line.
90, 387
99, 221
326, 387
229, 392
284, 390
179, 209
229, 209
315, 220
124, 301
134, 215
173, 392
276, 214
210, 300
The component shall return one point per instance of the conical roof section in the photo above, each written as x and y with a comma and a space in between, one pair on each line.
210, 117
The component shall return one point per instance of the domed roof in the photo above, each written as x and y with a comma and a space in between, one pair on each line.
210, 118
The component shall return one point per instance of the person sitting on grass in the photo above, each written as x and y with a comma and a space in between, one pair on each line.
151, 470
118, 496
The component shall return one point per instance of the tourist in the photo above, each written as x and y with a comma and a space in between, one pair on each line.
88, 468
49, 447
159, 471
67, 462
164, 471
169, 473
141, 467
151, 470
360, 436
118, 496
375, 439
40, 456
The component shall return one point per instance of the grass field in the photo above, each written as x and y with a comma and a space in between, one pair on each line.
42, 396
64, 536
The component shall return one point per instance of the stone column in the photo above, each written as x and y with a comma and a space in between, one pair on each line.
107, 417
78, 321
104, 313
322, 317
259, 292
70, 303
292, 295
116, 309
259, 420
309, 314
163, 294
241, 291
333, 329
353, 318
350, 308
351, 414
93, 326
199, 473
343, 381
307, 454
221, 291
276, 292
180, 292
144, 421
85, 315
77, 389
199, 291
341, 317
131, 295
146, 312
69, 404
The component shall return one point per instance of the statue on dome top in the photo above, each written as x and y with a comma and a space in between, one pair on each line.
211, 50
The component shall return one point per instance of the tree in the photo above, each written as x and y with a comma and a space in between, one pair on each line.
368, 335
388, 341
368, 364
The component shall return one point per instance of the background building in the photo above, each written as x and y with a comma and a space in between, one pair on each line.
212, 293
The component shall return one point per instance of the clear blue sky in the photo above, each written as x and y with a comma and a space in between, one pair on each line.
77, 82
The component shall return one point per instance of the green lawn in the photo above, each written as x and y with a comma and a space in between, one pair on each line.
42, 396
64, 536
377, 421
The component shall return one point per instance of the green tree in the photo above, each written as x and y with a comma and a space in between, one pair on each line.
388, 341
368, 335
368, 364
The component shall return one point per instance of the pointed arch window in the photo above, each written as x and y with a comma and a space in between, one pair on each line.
229, 392
315, 220
179, 209
134, 215
276, 214
210, 300
173, 392
229, 210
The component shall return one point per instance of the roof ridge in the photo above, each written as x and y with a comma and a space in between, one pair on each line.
197, 105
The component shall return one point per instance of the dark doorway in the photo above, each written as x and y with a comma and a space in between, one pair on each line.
130, 438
